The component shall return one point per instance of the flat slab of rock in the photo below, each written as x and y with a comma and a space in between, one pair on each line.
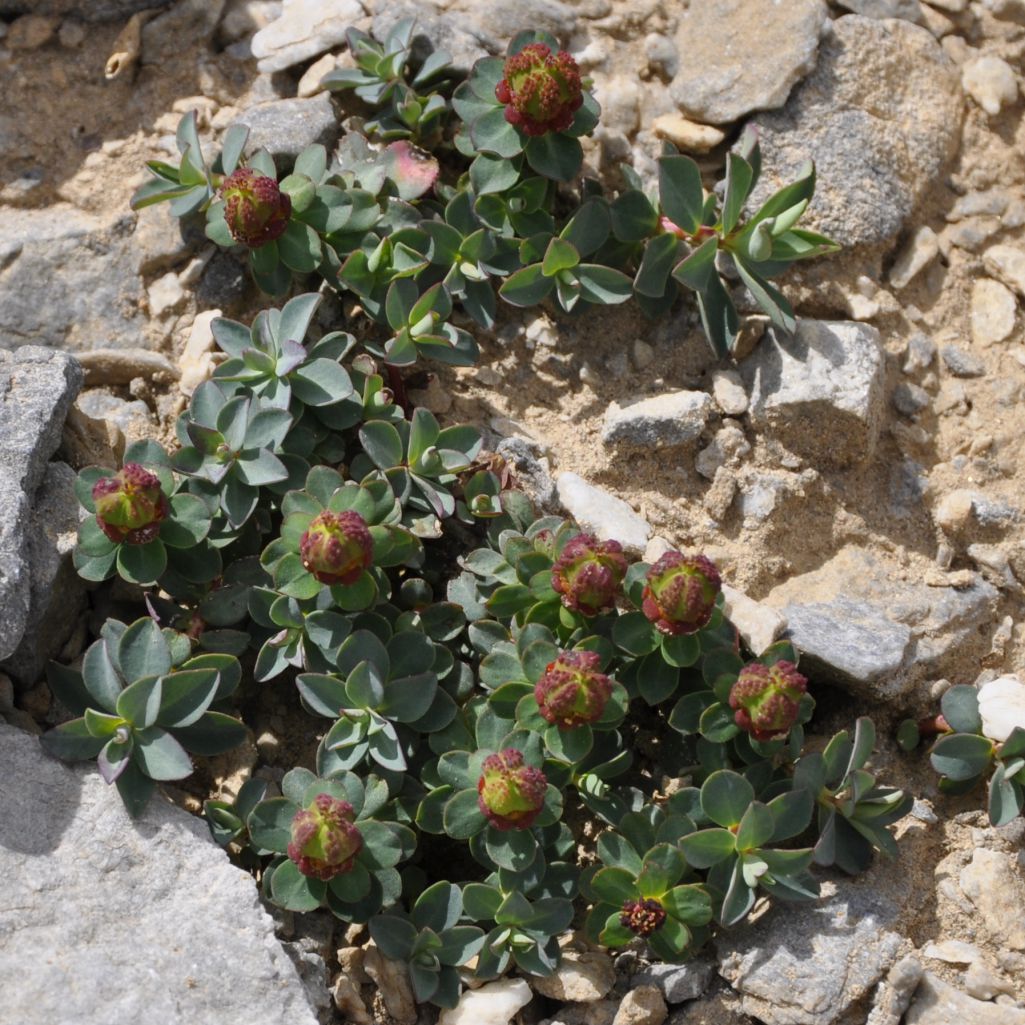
937, 1003
880, 115
305, 29
821, 391
109, 920
858, 624
602, 514
37, 388
674, 418
284, 128
806, 964
743, 55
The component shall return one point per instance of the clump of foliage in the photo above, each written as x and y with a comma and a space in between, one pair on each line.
484, 677
458, 192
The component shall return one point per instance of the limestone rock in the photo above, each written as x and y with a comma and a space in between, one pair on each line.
305, 29
688, 136
991, 82
909, 10
674, 418
601, 513
494, 1003
937, 1003
86, 268
143, 921
922, 248
994, 312
819, 392
642, 1005
582, 977
758, 624
993, 883
743, 55
880, 116
37, 387
1007, 262
678, 982
286, 127
806, 964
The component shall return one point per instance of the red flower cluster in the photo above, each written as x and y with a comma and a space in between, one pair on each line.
642, 917
541, 90
509, 793
130, 506
325, 840
680, 593
589, 573
337, 547
766, 699
572, 690
255, 209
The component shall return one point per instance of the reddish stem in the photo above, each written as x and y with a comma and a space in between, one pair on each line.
933, 725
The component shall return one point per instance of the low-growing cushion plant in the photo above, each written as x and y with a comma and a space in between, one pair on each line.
482, 681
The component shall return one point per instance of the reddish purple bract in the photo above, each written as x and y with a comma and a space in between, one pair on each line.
130, 506
509, 793
766, 699
642, 917
255, 209
680, 593
573, 690
325, 840
337, 547
589, 573
541, 90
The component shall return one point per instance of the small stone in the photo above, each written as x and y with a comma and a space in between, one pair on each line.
909, 399
348, 1000
729, 446
728, 392
981, 983
582, 977
196, 363
122, 366
921, 249
961, 363
921, 351
72, 33
952, 952
165, 294
895, 992
674, 418
494, 1003
953, 512
991, 82
643, 354
994, 312
719, 497
688, 136
305, 29
937, 1003
971, 234
909, 10
392, 980
758, 626
284, 128
643, 1005
993, 882
31, 31
602, 514
1007, 263
309, 84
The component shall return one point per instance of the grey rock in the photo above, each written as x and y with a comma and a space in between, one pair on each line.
601, 513
529, 469
921, 351
909, 10
37, 387
286, 127
937, 1003
849, 642
305, 29
56, 593
435, 30
143, 921
225, 285
678, 982
184, 23
313, 973
671, 419
743, 55
961, 363
894, 994
909, 399
864, 627
83, 268
820, 392
95, 11
806, 964
133, 418
880, 116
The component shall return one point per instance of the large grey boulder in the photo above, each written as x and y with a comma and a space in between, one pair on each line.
68, 279
880, 116
821, 391
743, 55
806, 964
37, 388
109, 920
